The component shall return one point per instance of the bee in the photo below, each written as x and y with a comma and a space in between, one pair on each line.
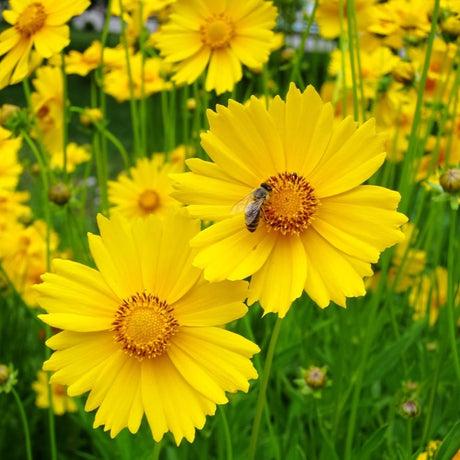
253, 205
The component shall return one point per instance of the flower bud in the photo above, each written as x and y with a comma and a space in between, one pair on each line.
410, 408
451, 26
450, 180
59, 193
4, 373
90, 116
315, 377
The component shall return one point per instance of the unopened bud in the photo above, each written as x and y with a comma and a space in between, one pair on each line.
91, 116
450, 180
4, 373
287, 54
409, 408
315, 377
191, 104
59, 193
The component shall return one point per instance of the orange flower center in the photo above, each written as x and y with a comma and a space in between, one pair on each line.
148, 200
144, 325
217, 31
31, 20
292, 204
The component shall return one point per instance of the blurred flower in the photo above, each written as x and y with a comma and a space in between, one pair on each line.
155, 324
76, 154
219, 37
59, 399
23, 252
10, 168
35, 23
91, 116
47, 101
146, 190
319, 229
430, 294
147, 78
83, 63
430, 452
328, 16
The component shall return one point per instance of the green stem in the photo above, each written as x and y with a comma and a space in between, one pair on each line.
25, 425
228, 436
451, 256
65, 117
263, 389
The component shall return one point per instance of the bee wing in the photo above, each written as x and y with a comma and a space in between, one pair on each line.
240, 206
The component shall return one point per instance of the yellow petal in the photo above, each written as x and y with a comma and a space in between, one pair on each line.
212, 304
362, 222
280, 281
330, 275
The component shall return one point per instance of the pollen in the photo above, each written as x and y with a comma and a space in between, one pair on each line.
148, 200
144, 326
217, 31
31, 20
292, 204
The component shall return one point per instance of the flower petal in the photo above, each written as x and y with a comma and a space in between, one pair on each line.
281, 279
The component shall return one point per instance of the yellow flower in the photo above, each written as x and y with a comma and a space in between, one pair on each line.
328, 16
319, 229
147, 77
10, 168
47, 100
38, 24
219, 36
24, 251
430, 295
147, 190
83, 63
142, 332
11, 205
61, 402
76, 154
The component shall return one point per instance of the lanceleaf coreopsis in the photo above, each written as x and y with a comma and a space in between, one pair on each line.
319, 229
142, 332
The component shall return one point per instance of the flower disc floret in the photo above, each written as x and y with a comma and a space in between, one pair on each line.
31, 20
217, 31
144, 326
292, 204
148, 200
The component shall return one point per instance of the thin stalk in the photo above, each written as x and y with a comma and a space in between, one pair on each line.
228, 436
451, 256
405, 187
261, 399
65, 116
295, 70
351, 51
25, 425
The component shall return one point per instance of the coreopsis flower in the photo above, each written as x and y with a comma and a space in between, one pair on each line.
146, 190
23, 251
59, 399
47, 101
76, 154
36, 24
219, 37
328, 16
318, 228
430, 295
10, 168
147, 77
147, 326
83, 63
12, 205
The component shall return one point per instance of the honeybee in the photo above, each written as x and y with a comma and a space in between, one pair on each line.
253, 205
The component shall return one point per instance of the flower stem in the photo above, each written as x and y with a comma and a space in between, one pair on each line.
228, 436
451, 292
24, 423
263, 389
